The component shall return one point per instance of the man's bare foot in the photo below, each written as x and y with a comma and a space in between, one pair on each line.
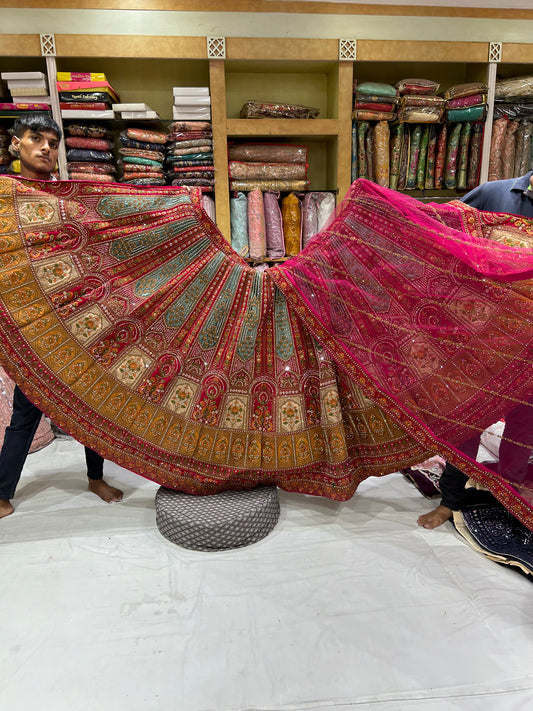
104, 491
5, 508
435, 518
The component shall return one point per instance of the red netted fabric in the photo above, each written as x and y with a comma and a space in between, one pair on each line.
399, 332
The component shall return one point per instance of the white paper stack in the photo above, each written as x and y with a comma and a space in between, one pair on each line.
191, 103
135, 111
27, 87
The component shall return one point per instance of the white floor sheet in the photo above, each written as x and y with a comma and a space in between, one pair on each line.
343, 606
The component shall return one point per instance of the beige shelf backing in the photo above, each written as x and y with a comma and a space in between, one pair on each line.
282, 127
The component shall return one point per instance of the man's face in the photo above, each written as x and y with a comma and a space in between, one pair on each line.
38, 152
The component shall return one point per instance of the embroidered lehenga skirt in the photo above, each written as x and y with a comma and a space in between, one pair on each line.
400, 331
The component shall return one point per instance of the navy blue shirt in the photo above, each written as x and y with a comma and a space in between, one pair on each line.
503, 196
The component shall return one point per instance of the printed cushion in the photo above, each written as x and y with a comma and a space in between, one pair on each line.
230, 519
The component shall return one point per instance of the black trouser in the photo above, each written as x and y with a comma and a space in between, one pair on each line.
17, 442
452, 483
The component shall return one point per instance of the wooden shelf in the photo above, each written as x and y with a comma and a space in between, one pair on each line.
320, 128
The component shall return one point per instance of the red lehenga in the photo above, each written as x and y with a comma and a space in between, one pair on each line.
400, 331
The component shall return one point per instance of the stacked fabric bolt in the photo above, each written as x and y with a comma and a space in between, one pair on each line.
418, 102
418, 156
514, 98
466, 102
511, 151
374, 101
142, 155
189, 154
89, 153
267, 227
6, 158
267, 167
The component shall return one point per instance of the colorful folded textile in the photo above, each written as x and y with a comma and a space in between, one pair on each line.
419, 114
139, 153
497, 534
142, 134
309, 216
404, 159
472, 113
198, 169
369, 149
203, 157
374, 99
363, 106
429, 182
238, 207
95, 177
474, 159
267, 171
133, 175
88, 167
142, 168
265, 109
178, 150
256, 225
452, 150
414, 155
395, 154
421, 167
354, 152
86, 130
417, 86
144, 181
268, 152
468, 89
509, 149
191, 174
270, 185
381, 153
199, 182
463, 102
440, 158
82, 154
292, 224
141, 145
141, 161
462, 161
375, 88
190, 126
326, 208
435, 101
499, 128
515, 86
275, 244
362, 128
360, 115
192, 143
95, 144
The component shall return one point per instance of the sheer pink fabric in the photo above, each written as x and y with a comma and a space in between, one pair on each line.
429, 307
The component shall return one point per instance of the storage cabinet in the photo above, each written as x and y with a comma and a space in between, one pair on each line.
299, 71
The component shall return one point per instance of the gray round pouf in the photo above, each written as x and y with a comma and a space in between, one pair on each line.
217, 522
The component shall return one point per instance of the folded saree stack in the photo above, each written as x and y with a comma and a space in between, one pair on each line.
189, 154
511, 152
142, 155
267, 166
89, 152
